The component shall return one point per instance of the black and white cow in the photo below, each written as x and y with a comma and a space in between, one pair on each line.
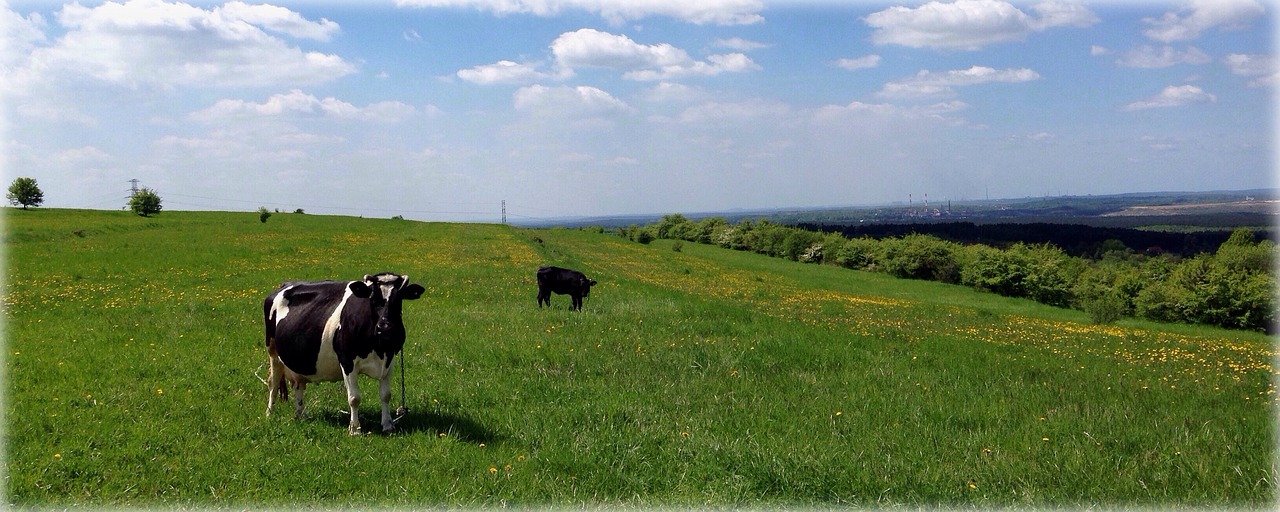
335, 330
564, 282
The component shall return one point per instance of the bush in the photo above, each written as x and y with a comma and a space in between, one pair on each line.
1105, 308
858, 253
145, 202
921, 257
263, 214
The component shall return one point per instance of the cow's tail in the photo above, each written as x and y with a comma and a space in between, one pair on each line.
269, 318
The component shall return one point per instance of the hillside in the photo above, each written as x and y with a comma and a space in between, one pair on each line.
697, 377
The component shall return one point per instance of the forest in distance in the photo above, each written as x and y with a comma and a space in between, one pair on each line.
1168, 211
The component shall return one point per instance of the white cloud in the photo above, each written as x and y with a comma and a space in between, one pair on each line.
298, 103
971, 24
503, 72
1097, 50
858, 108
735, 112
714, 65
864, 62
279, 19
1198, 16
577, 101
1262, 68
617, 12
1150, 58
930, 83
1173, 96
18, 36
155, 43
85, 155
738, 43
593, 48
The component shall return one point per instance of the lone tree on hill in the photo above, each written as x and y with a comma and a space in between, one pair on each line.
145, 202
25, 192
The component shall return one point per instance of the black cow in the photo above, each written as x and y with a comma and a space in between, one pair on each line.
564, 282
335, 330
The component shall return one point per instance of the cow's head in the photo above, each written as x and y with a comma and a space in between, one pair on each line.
385, 292
585, 285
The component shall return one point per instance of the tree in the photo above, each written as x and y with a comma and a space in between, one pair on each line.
145, 202
25, 192
263, 214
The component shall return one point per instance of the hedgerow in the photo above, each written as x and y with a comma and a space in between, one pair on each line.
1233, 287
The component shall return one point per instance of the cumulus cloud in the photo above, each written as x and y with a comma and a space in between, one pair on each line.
299, 104
576, 101
594, 48
864, 62
1190, 22
503, 72
1150, 58
1261, 68
971, 24
617, 12
162, 44
934, 83
1173, 96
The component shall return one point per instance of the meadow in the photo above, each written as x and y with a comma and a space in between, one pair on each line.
700, 377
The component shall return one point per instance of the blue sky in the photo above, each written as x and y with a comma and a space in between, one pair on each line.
442, 109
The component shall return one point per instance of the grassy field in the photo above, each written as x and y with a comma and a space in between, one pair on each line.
699, 377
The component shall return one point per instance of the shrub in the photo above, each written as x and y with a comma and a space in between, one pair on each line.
263, 214
1105, 308
145, 202
858, 253
921, 257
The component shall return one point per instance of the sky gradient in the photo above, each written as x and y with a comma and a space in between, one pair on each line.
443, 109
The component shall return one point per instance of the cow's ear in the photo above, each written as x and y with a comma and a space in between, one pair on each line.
359, 289
411, 292
593, 282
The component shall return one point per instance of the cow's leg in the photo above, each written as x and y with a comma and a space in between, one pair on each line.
274, 378
577, 303
384, 394
353, 400
544, 296
299, 390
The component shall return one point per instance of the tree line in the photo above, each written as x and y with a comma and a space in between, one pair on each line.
1233, 286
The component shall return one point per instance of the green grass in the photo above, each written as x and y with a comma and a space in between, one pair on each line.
692, 378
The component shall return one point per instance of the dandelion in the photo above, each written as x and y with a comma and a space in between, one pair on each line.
159, 391
1044, 439
493, 470
57, 456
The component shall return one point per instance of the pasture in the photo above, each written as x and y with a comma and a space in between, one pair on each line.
134, 348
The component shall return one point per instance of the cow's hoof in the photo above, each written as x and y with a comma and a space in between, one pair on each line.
388, 429
355, 431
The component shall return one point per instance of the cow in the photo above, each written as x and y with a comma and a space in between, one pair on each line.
327, 331
564, 282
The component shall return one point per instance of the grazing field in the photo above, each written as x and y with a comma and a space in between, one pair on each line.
691, 378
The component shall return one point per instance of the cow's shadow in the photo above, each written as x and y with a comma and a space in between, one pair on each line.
458, 427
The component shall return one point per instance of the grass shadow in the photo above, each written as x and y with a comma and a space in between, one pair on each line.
458, 427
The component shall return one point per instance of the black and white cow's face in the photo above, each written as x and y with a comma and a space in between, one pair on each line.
385, 292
